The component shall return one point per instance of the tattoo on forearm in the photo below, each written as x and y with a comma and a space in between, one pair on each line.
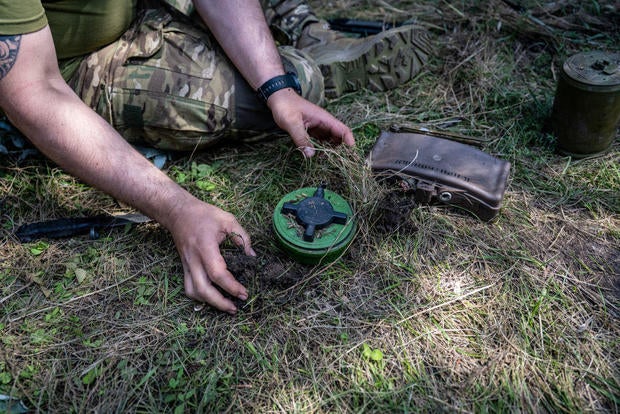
9, 47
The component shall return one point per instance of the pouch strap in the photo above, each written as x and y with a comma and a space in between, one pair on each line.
424, 192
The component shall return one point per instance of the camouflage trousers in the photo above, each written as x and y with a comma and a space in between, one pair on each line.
167, 82
286, 18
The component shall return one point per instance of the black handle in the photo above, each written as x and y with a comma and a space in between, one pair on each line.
362, 27
66, 227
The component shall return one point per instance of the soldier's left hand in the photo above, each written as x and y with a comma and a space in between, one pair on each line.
303, 119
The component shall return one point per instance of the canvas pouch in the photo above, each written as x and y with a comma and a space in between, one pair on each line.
439, 170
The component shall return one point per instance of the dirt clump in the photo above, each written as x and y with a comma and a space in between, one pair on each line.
266, 272
393, 213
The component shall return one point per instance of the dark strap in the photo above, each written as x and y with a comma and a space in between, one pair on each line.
288, 80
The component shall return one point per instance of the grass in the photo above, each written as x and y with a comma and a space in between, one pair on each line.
444, 313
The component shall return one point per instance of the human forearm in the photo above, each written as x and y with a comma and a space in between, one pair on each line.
85, 145
241, 30
38, 101
81, 142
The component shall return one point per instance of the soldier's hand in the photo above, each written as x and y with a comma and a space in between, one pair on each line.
303, 119
198, 231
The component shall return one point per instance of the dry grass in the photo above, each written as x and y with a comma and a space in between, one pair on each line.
441, 313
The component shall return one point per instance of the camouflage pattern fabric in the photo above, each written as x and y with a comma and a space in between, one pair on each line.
167, 82
184, 6
287, 18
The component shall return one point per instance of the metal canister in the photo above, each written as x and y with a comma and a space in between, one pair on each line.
586, 109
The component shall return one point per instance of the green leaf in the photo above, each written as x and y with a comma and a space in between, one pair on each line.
5, 378
201, 170
366, 351
80, 275
376, 355
372, 354
93, 344
205, 185
28, 372
181, 177
39, 248
91, 376
182, 328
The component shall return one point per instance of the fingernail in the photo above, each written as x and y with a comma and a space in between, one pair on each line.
243, 296
252, 252
308, 152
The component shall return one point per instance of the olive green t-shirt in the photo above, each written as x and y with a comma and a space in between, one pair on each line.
78, 26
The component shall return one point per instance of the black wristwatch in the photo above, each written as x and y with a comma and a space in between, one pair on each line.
289, 80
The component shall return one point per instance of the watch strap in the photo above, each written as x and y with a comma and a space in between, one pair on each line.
288, 80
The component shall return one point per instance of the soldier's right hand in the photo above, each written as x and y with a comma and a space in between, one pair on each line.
198, 230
